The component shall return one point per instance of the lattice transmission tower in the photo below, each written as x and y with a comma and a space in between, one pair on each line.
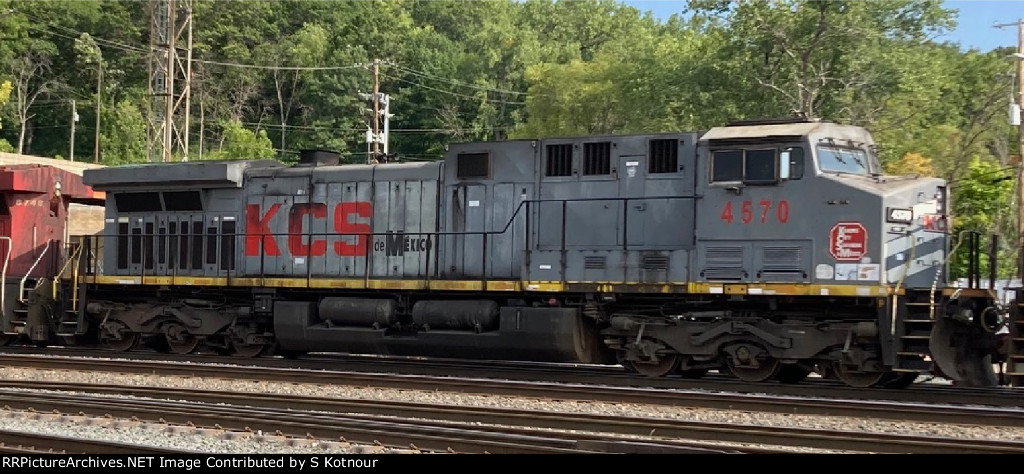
170, 78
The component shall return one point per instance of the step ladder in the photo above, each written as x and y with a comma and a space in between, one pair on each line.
1015, 352
915, 315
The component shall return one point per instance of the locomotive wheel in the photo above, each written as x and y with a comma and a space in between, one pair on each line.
179, 341
626, 364
247, 350
121, 338
960, 354
665, 366
857, 378
899, 379
765, 370
792, 373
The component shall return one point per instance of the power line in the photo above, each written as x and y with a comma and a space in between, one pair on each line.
496, 101
141, 50
135, 49
281, 68
106, 42
355, 130
456, 82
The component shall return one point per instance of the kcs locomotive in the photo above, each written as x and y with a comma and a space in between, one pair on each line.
768, 249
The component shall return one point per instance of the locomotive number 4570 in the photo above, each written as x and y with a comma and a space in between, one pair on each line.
762, 212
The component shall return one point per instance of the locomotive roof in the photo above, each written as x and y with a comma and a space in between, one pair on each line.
814, 130
206, 173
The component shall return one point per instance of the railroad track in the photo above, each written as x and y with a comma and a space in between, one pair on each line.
229, 411
901, 411
20, 442
612, 376
440, 428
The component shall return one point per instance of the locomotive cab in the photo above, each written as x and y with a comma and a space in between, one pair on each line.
802, 208
807, 202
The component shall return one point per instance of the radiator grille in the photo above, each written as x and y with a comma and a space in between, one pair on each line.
781, 259
782, 264
723, 263
654, 262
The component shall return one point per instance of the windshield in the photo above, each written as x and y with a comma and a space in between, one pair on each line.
843, 160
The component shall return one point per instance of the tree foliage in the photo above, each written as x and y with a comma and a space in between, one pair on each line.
911, 163
980, 207
124, 135
5, 96
243, 144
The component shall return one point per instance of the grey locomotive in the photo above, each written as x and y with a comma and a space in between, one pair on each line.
770, 250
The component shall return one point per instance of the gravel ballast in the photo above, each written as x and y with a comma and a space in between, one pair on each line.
215, 441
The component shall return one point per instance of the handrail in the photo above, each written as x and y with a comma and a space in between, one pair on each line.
522, 210
21, 286
3, 273
74, 255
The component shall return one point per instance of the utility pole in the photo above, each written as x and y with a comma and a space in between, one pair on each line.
74, 119
379, 113
99, 88
386, 115
376, 113
1019, 57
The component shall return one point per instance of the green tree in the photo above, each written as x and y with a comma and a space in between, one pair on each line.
89, 53
911, 163
293, 54
5, 96
573, 99
979, 206
229, 34
241, 144
824, 58
123, 134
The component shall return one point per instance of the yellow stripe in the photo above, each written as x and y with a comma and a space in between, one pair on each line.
340, 283
789, 289
785, 289
544, 286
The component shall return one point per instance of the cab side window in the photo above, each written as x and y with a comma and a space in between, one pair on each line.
757, 166
795, 156
727, 166
749, 166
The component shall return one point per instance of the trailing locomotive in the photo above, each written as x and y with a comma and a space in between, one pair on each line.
768, 249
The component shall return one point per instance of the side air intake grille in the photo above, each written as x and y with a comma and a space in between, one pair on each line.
723, 263
654, 262
781, 259
782, 264
594, 262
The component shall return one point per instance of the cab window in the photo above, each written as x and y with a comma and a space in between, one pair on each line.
727, 166
756, 166
838, 159
793, 155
